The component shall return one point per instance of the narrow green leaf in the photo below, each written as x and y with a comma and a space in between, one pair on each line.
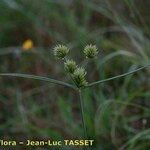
41, 78
119, 76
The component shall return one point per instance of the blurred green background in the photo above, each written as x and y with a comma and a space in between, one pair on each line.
117, 113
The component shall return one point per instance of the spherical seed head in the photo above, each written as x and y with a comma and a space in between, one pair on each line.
79, 77
90, 51
70, 66
60, 51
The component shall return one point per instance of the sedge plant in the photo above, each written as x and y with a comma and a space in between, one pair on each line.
77, 74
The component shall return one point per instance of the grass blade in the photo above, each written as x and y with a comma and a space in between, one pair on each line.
41, 78
119, 76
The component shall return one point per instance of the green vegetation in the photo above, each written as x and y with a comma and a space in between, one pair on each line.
114, 103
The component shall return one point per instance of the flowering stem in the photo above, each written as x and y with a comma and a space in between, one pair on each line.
82, 114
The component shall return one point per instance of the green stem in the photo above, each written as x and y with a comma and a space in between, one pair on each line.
119, 76
82, 114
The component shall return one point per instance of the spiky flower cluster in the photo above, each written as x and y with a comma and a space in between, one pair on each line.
79, 77
60, 51
70, 66
90, 51
77, 73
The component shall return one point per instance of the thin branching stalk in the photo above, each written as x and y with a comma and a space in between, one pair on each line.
40, 78
115, 77
82, 114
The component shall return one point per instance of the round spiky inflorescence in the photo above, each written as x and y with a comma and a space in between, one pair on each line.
90, 51
79, 77
60, 51
70, 66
